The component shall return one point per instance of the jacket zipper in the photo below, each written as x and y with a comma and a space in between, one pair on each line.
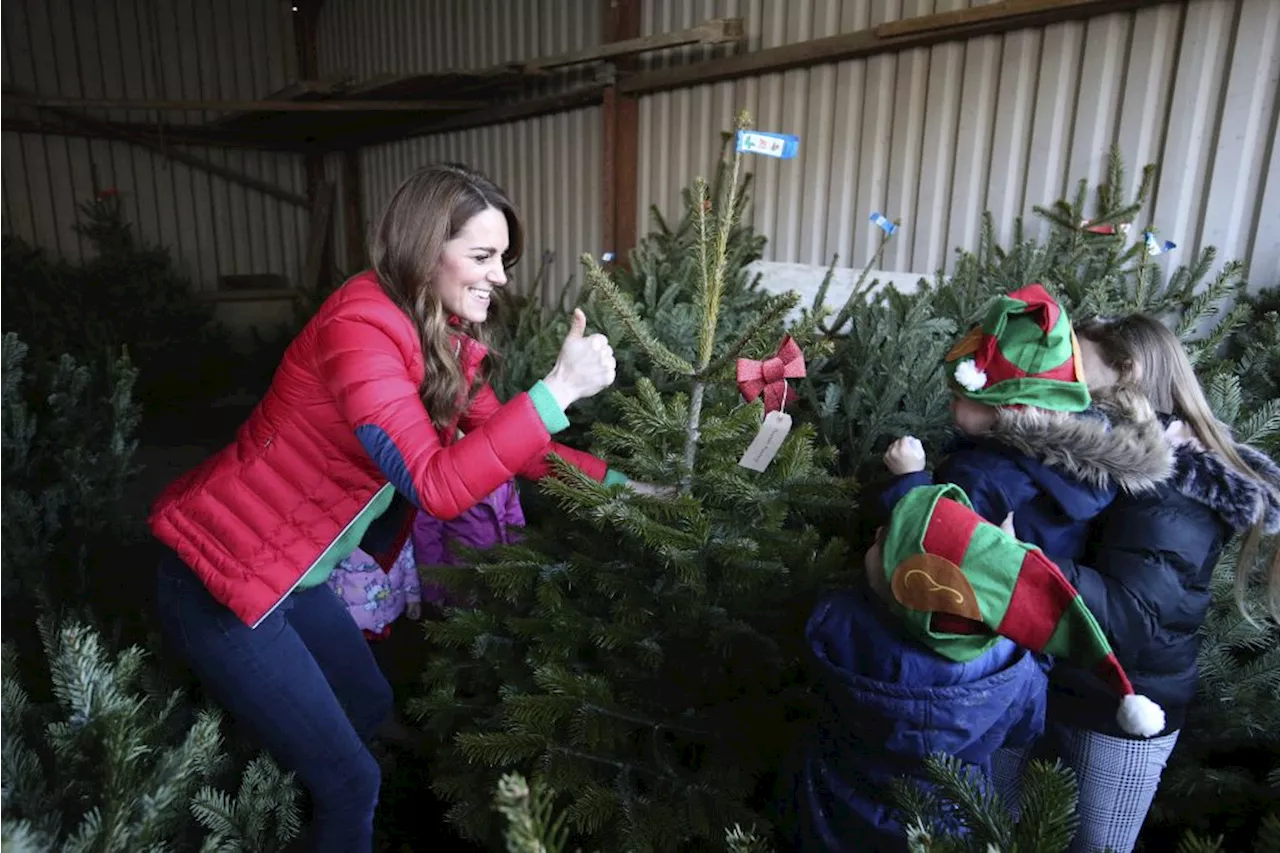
341, 533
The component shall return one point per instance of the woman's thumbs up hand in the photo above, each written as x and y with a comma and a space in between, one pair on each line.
585, 367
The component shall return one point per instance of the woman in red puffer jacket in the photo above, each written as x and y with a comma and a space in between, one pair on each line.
355, 434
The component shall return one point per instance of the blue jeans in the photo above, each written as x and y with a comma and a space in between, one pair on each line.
303, 683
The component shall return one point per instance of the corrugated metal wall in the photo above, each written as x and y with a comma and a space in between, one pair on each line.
153, 49
933, 136
1001, 123
551, 166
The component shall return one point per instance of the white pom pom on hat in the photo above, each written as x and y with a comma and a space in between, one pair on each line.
969, 376
1138, 715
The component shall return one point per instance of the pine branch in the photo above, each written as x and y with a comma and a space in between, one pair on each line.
532, 826
711, 289
603, 286
978, 806
857, 294
777, 311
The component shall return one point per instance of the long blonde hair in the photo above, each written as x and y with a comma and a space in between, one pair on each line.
427, 211
1145, 353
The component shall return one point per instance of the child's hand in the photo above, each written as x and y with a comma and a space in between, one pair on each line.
905, 456
413, 610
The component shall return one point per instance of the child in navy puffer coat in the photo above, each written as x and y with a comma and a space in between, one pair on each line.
1033, 441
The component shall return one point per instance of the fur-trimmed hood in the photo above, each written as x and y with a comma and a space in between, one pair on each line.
1206, 478
1117, 443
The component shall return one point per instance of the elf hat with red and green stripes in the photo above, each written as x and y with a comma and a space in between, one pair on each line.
960, 582
1025, 353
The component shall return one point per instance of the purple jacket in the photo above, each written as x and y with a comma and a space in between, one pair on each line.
494, 521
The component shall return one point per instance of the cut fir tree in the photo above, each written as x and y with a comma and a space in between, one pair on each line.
116, 764
637, 656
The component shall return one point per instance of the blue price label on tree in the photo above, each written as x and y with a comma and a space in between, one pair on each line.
781, 145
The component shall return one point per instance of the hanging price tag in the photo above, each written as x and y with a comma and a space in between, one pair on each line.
767, 441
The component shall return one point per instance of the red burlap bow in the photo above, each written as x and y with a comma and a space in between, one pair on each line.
770, 376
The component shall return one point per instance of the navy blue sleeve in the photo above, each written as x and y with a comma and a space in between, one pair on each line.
893, 492
1121, 613
383, 451
1145, 570
995, 484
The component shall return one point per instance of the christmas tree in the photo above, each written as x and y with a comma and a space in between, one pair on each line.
68, 444
115, 764
877, 373
659, 282
98, 754
638, 657
534, 826
127, 293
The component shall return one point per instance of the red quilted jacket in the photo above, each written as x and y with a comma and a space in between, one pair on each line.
341, 419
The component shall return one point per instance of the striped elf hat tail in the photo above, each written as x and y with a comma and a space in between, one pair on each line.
1025, 353
959, 582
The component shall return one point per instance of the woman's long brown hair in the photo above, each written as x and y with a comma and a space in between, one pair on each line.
427, 211
1146, 354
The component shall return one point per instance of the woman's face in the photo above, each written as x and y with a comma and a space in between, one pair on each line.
471, 266
1097, 373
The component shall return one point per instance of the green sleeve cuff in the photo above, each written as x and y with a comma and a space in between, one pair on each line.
615, 478
553, 417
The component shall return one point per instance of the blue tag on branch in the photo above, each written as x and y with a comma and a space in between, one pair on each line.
883, 222
781, 145
1158, 247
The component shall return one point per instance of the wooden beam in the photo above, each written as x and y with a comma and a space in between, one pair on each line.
352, 212
163, 134
585, 96
102, 130
714, 31
973, 15
319, 231
326, 106
299, 90
621, 139
869, 42
319, 258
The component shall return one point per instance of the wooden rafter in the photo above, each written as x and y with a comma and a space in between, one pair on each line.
165, 149
336, 114
714, 31
327, 106
46, 124
890, 37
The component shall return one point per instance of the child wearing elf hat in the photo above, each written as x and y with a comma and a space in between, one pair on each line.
935, 654
1033, 441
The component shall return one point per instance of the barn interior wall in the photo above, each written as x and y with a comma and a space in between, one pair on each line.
154, 50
